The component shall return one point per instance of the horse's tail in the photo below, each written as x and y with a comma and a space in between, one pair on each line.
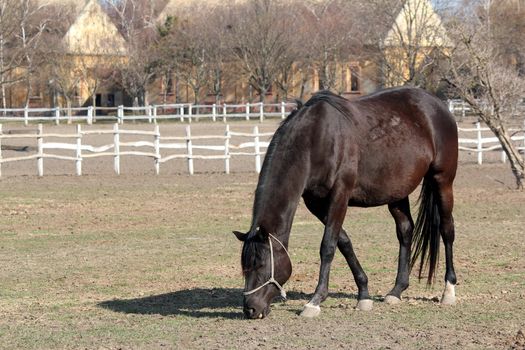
425, 241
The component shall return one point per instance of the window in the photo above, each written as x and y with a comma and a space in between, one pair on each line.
354, 79
169, 85
111, 100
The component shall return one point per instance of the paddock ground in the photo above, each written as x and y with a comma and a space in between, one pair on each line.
140, 261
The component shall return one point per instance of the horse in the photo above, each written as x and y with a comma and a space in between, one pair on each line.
335, 153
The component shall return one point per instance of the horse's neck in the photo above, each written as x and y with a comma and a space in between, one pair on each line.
277, 200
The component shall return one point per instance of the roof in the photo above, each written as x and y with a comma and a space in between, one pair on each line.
414, 18
94, 33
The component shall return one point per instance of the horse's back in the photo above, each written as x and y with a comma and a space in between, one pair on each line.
392, 139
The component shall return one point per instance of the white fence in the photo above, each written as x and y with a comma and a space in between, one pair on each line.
458, 107
185, 112
481, 144
148, 148
225, 147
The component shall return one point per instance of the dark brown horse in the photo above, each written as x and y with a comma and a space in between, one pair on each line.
368, 152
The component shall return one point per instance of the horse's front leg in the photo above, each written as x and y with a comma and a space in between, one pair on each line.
319, 207
336, 214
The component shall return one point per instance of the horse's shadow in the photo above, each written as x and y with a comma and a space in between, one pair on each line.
197, 302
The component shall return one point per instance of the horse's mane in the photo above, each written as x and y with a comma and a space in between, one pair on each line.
277, 136
336, 101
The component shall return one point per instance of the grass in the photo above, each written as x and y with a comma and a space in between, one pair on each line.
150, 262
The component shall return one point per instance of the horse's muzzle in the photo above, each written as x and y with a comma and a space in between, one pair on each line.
252, 314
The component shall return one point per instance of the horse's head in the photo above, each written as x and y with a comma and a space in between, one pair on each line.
266, 267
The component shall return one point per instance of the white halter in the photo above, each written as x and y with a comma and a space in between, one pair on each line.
272, 279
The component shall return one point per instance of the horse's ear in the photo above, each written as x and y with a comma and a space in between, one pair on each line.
240, 236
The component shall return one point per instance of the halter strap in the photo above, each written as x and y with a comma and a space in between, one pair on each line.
272, 275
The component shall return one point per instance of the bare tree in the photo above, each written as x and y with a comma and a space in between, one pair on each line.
333, 38
167, 60
411, 39
260, 33
218, 53
56, 70
480, 74
96, 71
192, 45
136, 20
21, 28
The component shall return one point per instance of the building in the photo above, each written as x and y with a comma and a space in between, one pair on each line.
92, 46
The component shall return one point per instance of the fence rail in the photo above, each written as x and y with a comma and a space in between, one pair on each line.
148, 148
185, 112
482, 144
153, 144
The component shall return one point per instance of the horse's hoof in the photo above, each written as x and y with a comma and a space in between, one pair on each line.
447, 299
365, 305
311, 311
392, 300
449, 295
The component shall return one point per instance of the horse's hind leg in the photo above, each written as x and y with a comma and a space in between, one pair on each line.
447, 231
345, 247
319, 208
404, 228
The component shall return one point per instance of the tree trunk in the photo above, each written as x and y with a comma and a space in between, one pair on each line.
28, 91
4, 102
94, 104
516, 161
69, 110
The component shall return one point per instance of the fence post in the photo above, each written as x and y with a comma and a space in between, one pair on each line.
189, 150
26, 116
480, 144
257, 149
90, 115
57, 115
116, 147
1, 133
156, 143
78, 162
155, 114
181, 112
261, 112
69, 115
247, 110
224, 113
283, 110
120, 114
94, 114
149, 112
40, 155
190, 113
214, 112
226, 149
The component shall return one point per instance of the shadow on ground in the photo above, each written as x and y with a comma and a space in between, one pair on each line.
196, 302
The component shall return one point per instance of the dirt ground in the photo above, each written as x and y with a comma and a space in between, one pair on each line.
140, 261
